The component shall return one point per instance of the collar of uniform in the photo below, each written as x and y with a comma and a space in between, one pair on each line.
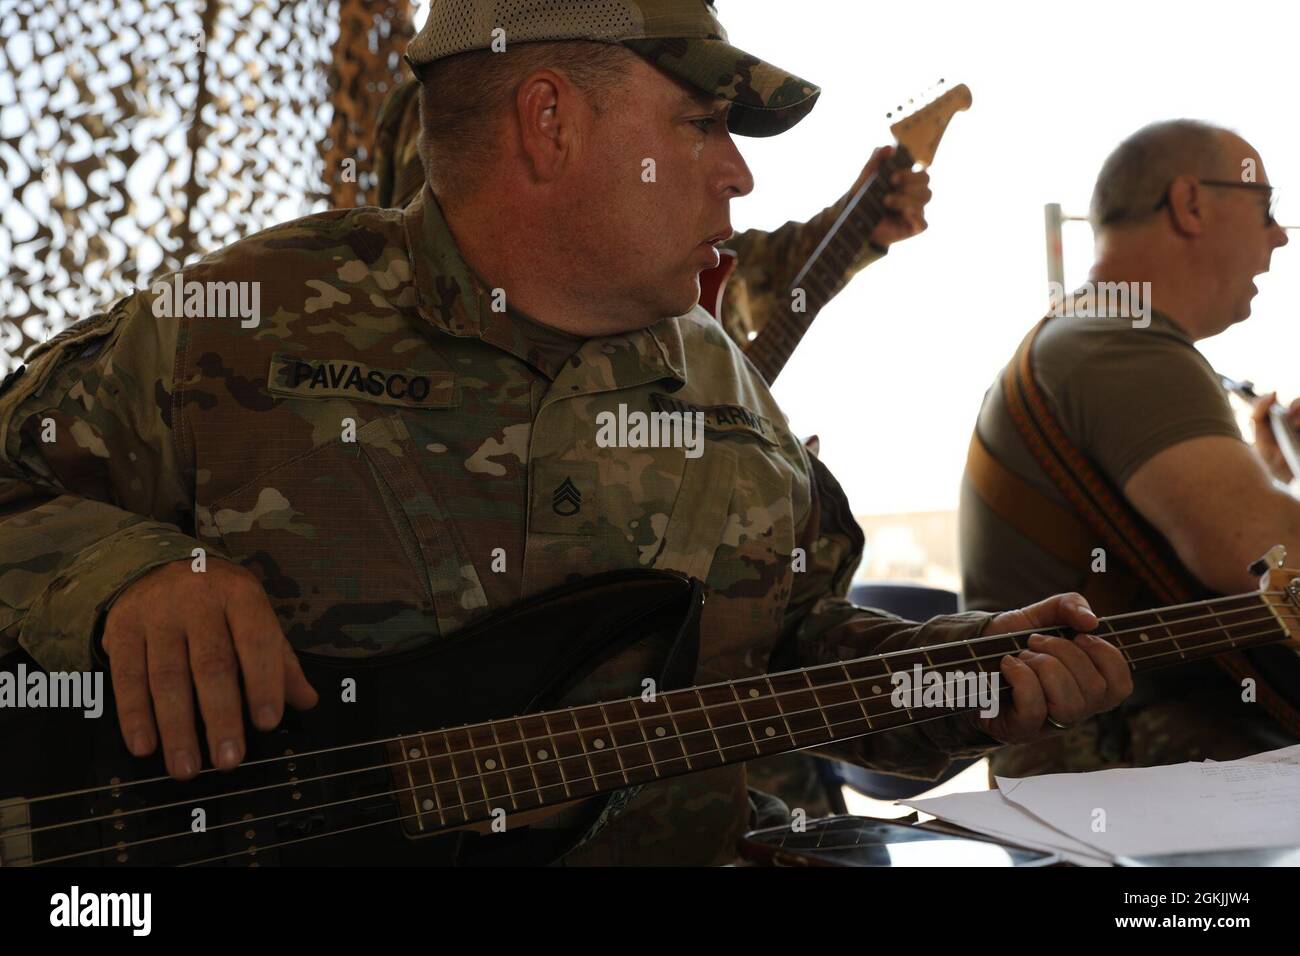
611, 362
667, 335
453, 299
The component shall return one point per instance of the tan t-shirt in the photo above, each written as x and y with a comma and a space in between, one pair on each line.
1122, 394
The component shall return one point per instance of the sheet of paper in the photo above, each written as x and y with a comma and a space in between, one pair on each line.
1285, 755
987, 812
1176, 809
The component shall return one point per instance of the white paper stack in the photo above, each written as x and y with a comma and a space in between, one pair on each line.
1093, 819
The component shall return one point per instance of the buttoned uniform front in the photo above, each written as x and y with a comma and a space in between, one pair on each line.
378, 516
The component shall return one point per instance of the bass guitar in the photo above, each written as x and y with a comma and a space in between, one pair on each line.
449, 754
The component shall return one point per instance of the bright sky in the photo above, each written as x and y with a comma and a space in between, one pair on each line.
892, 373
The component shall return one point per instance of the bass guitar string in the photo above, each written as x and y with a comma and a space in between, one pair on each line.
479, 777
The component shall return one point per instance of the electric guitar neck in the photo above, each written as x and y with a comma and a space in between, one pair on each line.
580, 752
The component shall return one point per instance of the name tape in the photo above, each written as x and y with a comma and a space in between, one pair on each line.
343, 378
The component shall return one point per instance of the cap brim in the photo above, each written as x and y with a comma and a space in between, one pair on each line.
766, 99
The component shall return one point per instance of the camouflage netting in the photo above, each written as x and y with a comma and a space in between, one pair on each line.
137, 135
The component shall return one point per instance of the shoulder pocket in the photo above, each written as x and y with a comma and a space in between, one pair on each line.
30, 379
721, 420
82, 332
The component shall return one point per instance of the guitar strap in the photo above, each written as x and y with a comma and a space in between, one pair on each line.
1052, 527
1098, 514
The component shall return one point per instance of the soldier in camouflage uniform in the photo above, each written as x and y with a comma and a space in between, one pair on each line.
370, 457
767, 263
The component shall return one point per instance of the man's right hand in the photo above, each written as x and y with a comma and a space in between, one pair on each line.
175, 631
1266, 442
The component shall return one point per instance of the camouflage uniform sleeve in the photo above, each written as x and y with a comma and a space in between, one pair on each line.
92, 487
822, 627
767, 263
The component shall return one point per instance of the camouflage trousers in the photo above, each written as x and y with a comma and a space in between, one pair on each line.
781, 784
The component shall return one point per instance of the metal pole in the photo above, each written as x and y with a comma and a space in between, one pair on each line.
1055, 258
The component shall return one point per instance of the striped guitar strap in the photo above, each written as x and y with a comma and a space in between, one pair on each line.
1116, 525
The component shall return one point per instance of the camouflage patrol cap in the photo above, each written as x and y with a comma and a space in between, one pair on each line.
681, 37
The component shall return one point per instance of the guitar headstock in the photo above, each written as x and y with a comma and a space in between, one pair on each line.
1272, 571
1280, 586
921, 130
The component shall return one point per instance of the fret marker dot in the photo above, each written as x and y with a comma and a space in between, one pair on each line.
770, 731
1143, 637
542, 755
753, 692
598, 743
428, 804
875, 688
659, 731
490, 764
413, 753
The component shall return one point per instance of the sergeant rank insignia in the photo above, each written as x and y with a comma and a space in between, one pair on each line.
566, 500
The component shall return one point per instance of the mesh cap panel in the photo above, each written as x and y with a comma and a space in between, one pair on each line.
683, 38
457, 28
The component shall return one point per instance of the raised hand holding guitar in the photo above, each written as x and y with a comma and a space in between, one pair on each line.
906, 203
887, 205
1276, 428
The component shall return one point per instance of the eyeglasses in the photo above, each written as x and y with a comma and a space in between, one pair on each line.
1270, 214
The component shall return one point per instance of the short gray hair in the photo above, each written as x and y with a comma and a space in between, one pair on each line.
1133, 180
463, 98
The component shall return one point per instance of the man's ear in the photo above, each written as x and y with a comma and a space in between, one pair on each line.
546, 106
1187, 205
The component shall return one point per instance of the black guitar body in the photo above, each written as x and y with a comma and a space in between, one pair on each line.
303, 796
